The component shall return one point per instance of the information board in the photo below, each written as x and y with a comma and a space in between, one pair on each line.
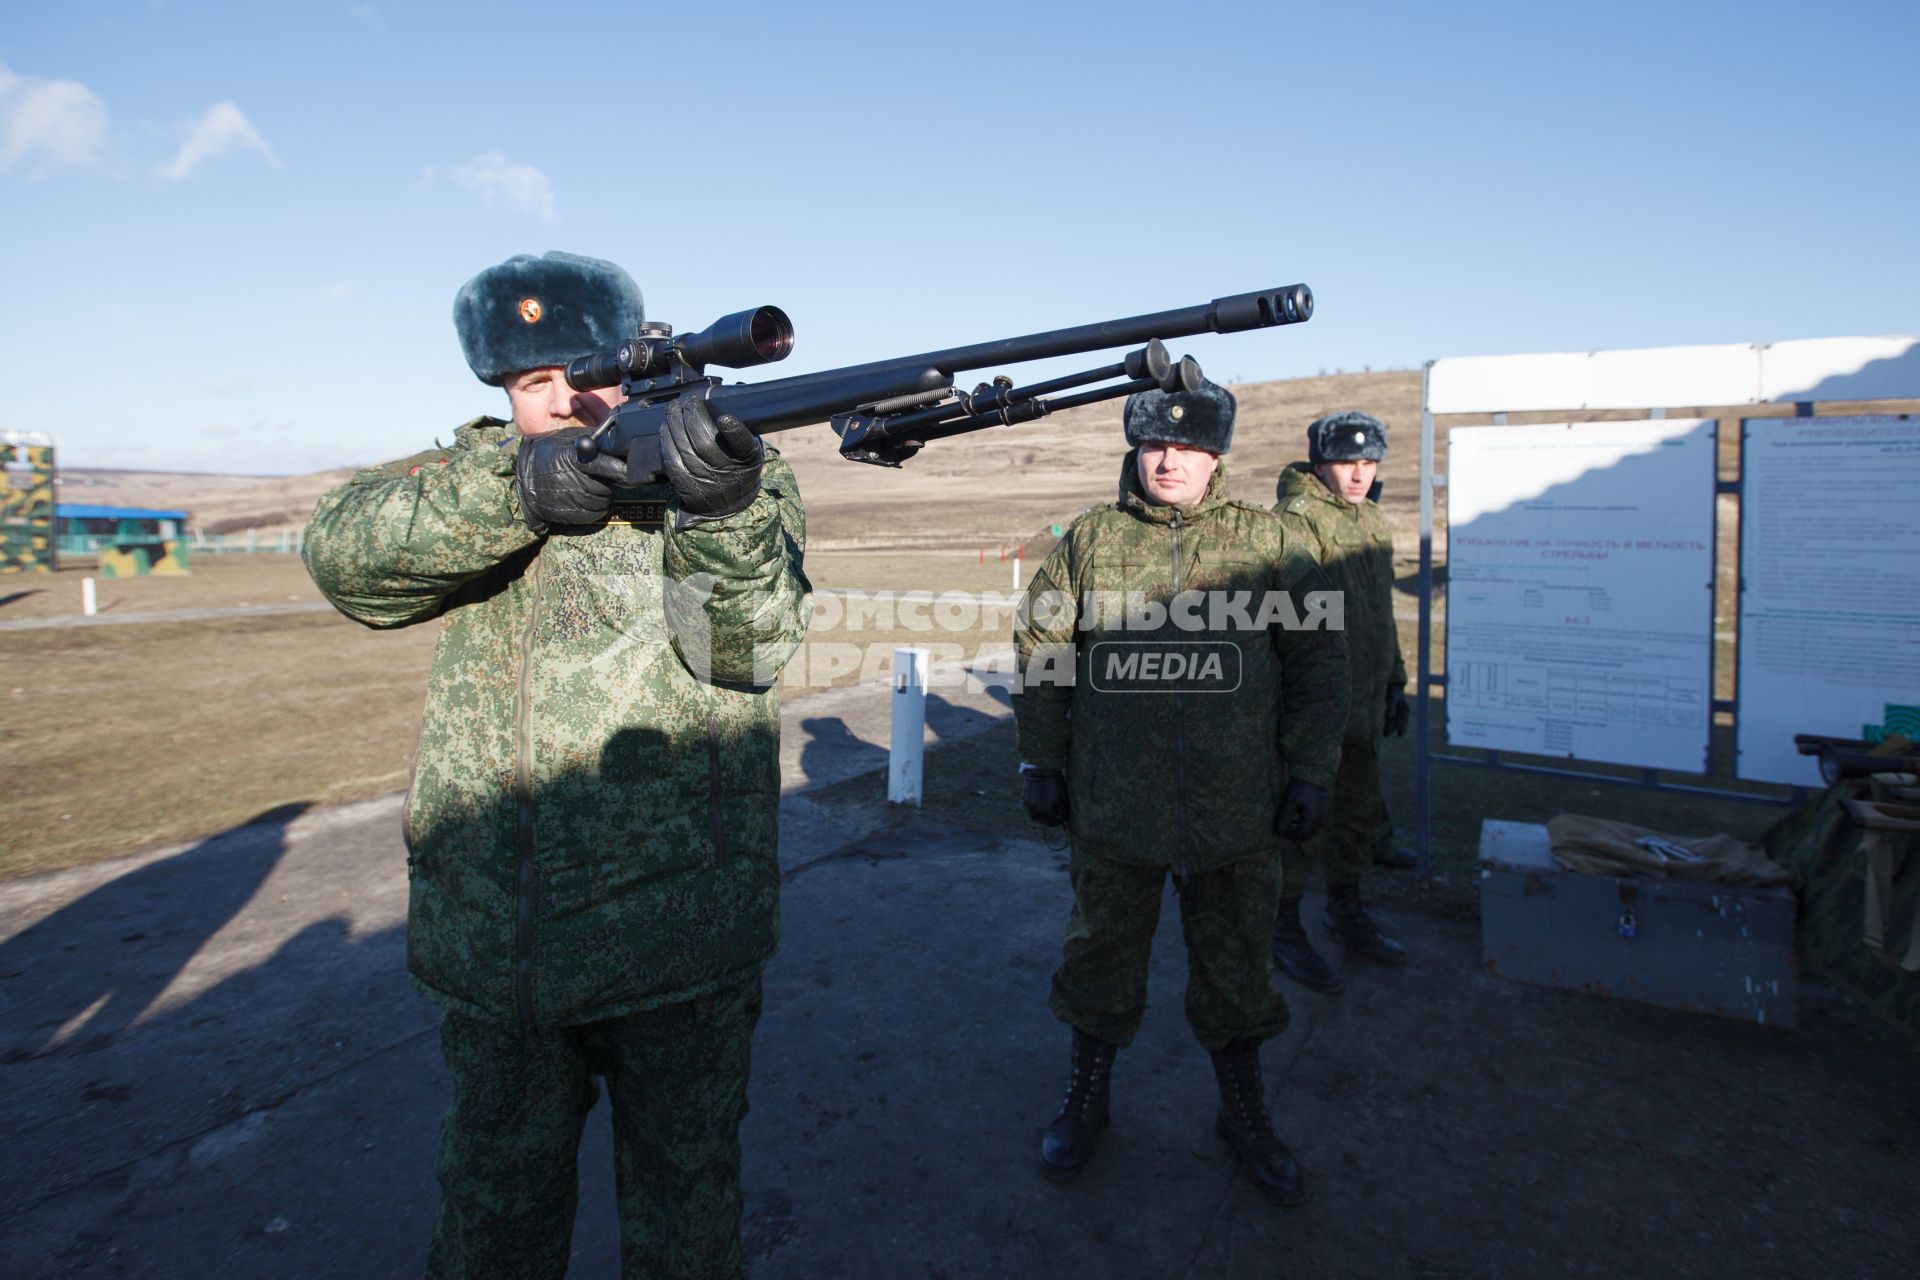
1830, 585
1580, 590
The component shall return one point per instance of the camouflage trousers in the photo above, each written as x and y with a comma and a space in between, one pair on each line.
1385, 843
1343, 847
1226, 917
677, 1078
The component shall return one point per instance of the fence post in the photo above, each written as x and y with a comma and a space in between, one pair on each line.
906, 744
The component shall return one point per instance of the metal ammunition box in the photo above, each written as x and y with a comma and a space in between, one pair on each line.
1719, 949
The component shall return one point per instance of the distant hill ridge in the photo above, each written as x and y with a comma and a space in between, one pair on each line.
998, 485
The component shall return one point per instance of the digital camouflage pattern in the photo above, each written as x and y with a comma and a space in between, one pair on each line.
1354, 547
590, 824
677, 1078
26, 505
1829, 861
1190, 780
1226, 915
1344, 845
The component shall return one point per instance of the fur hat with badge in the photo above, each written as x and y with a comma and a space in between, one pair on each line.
1348, 436
1200, 419
535, 313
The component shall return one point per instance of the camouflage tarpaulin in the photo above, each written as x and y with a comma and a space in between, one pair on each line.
1830, 855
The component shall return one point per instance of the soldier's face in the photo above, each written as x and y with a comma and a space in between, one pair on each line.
1175, 475
542, 402
1351, 480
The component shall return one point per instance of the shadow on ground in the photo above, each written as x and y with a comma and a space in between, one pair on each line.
273, 1109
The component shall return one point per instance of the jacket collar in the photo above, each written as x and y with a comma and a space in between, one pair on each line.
483, 431
1299, 481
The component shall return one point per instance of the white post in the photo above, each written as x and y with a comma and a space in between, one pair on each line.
1016, 566
89, 602
250, 538
906, 744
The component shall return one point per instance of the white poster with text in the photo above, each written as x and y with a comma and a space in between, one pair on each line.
1830, 597
1580, 590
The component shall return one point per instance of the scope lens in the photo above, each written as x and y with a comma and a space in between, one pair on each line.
771, 334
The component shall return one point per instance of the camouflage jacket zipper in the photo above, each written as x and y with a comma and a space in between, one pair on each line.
1179, 858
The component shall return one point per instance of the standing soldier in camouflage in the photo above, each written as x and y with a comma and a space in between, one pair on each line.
1326, 504
1178, 710
590, 826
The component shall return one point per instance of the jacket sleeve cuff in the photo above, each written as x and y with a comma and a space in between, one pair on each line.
1321, 778
748, 519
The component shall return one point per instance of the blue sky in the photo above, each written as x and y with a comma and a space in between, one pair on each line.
230, 235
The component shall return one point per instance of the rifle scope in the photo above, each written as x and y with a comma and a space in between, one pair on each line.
738, 341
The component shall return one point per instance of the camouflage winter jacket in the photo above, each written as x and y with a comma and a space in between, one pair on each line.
1178, 729
1355, 547
590, 825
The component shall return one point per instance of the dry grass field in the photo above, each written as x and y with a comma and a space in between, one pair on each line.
216, 582
120, 736
117, 737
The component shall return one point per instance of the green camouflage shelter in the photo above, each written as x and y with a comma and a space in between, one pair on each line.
131, 542
26, 503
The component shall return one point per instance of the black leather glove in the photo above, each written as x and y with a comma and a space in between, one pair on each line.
555, 488
1398, 712
714, 466
1044, 793
1303, 807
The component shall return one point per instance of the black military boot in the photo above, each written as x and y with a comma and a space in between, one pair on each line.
1069, 1140
1244, 1123
1293, 952
1347, 920
1394, 858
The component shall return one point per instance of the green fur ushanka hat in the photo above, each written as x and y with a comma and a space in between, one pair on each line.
533, 313
1200, 419
1349, 436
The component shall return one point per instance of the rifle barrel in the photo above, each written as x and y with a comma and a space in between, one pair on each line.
1237, 313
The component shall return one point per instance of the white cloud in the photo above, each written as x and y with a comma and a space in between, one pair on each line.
499, 181
219, 129
59, 123
367, 14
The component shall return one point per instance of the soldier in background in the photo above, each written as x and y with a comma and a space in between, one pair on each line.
591, 822
1199, 776
1327, 504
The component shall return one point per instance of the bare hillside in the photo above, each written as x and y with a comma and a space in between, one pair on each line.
997, 486
216, 503
1009, 485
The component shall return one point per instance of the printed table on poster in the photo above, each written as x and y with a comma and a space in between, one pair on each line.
1580, 590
